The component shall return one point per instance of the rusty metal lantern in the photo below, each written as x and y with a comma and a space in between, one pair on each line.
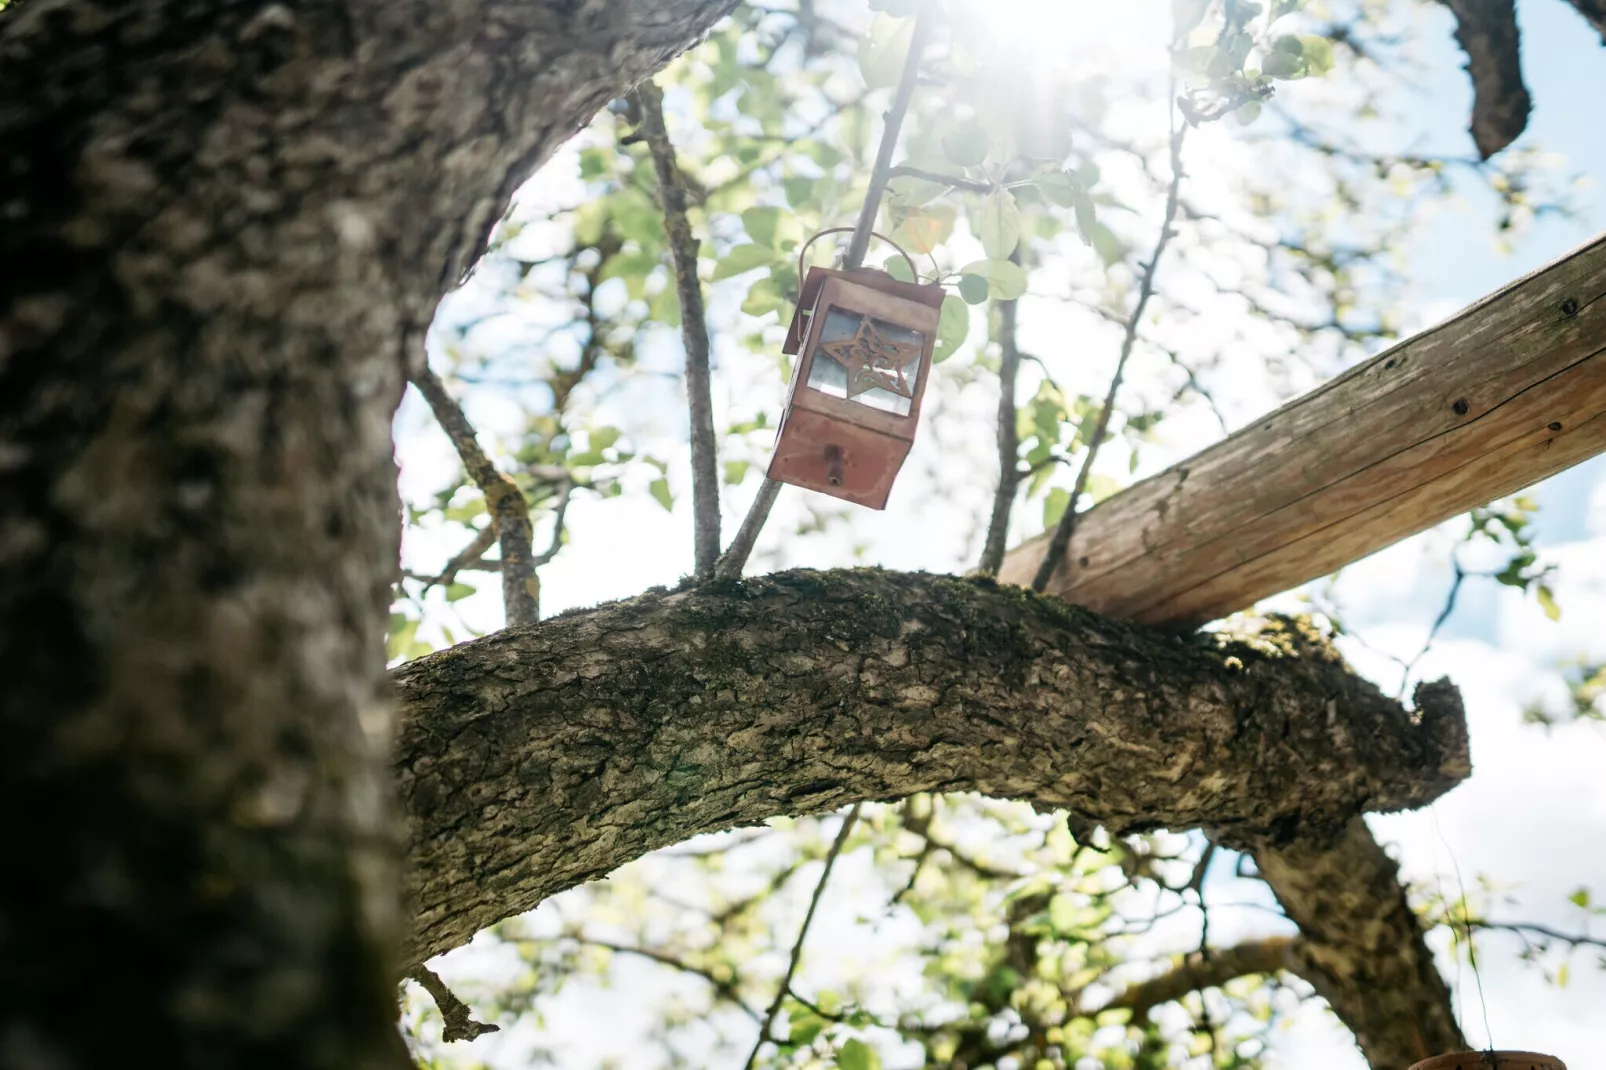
1491, 1060
864, 342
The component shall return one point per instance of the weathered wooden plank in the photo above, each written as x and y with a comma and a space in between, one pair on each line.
1500, 396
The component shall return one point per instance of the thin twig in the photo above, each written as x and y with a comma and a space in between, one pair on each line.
882, 173
1522, 928
992, 555
564, 496
1438, 623
741, 548
966, 184
802, 934
467, 559
735, 557
460, 1023
510, 513
683, 246
1060, 543
726, 988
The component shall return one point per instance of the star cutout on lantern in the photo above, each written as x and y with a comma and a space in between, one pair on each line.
873, 361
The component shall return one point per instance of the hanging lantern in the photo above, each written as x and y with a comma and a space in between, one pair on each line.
1491, 1060
864, 342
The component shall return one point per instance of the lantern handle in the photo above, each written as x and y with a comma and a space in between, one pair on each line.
914, 273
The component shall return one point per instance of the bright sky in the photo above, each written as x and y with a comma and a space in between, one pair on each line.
1534, 813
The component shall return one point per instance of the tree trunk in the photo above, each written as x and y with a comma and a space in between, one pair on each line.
225, 228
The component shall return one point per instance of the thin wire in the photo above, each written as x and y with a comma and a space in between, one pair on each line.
1438, 887
1466, 925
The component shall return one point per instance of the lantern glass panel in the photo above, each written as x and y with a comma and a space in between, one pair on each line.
867, 360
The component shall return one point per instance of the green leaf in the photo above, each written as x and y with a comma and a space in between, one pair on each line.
743, 258
633, 268
1547, 602
665, 307
883, 50
764, 297
458, 591
761, 224
966, 145
1318, 53
1061, 188
799, 191
1087, 219
1280, 64
1000, 224
857, 1055
1054, 506
402, 639
952, 329
898, 268
1107, 245
603, 437
659, 489
921, 232
736, 471
1005, 280
1580, 898
972, 289
637, 219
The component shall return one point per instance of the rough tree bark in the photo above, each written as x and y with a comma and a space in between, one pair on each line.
538, 758
225, 228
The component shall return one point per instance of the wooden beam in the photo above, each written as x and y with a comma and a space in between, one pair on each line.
1502, 395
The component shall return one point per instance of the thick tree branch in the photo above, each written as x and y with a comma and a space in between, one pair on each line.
504, 501
537, 758
683, 245
1361, 945
1487, 32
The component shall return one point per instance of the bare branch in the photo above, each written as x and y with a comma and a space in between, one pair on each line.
460, 1023
470, 558
992, 555
725, 988
905, 171
1542, 931
802, 934
1195, 972
564, 497
1067, 525
741, 547
683, 247
510, 513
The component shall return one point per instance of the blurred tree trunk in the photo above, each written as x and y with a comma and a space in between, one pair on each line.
224, 228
